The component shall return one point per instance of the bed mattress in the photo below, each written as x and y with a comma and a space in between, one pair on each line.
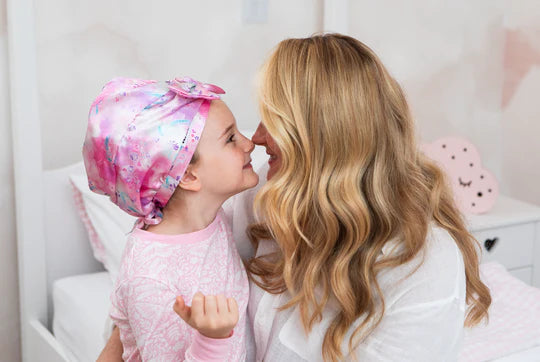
81, 309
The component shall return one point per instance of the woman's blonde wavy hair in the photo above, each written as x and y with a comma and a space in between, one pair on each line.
351, 178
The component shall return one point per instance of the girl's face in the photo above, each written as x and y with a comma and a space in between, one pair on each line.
263, 138
224, 164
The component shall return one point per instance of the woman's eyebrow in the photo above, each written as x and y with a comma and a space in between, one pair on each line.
227, 130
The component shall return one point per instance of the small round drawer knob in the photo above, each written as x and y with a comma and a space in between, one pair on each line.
490, 243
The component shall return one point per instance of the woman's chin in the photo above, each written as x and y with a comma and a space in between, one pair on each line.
271, 172
273, 167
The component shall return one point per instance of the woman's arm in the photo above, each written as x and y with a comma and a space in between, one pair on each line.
113, 349
422, 333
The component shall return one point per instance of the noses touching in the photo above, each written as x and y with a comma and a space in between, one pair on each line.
248, 147
260, 136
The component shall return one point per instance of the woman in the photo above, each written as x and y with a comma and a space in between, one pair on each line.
359, 250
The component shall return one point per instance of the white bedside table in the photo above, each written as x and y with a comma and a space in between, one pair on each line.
510, 235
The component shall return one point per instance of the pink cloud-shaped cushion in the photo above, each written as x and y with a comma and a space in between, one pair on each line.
475, 188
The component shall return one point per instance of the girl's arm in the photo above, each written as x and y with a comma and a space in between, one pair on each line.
113, 349
214, 318
154, 331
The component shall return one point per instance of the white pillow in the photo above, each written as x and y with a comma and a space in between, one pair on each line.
108, 225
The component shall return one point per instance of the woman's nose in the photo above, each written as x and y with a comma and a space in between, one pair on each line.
259, 137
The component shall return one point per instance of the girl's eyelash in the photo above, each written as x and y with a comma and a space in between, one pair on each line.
231, 138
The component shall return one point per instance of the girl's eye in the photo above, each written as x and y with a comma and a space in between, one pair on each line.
231, 138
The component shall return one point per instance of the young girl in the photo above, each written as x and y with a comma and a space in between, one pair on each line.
146, 149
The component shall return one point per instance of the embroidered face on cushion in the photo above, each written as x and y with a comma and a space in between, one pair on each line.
475, 188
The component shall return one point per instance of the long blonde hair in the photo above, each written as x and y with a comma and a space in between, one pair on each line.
351, 178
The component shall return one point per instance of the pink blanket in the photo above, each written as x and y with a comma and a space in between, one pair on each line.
514, 318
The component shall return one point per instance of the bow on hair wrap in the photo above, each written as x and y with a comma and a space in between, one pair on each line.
140, 139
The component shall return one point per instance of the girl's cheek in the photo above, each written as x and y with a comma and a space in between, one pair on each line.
240, 152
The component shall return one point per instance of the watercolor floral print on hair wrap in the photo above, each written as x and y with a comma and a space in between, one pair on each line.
140, 139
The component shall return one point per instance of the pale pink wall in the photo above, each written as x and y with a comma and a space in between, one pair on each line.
470, 69
521, 100
447, 55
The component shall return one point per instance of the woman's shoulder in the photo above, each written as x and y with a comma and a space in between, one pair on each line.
443, 254
441, 250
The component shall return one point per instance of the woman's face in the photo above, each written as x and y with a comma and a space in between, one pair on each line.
263, 138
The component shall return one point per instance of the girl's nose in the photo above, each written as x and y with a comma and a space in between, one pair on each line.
249, 145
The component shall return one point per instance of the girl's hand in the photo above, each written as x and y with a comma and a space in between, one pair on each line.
213, 316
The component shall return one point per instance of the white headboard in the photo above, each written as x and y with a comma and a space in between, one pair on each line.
67, 249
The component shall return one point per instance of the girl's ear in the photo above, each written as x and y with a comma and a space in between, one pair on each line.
190, 181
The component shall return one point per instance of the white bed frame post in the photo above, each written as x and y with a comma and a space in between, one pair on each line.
38, 344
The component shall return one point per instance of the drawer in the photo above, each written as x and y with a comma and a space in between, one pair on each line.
523, 274
513, 245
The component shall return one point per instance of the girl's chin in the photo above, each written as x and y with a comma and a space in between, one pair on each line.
251, 178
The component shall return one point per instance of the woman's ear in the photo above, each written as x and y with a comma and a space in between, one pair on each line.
190, 181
